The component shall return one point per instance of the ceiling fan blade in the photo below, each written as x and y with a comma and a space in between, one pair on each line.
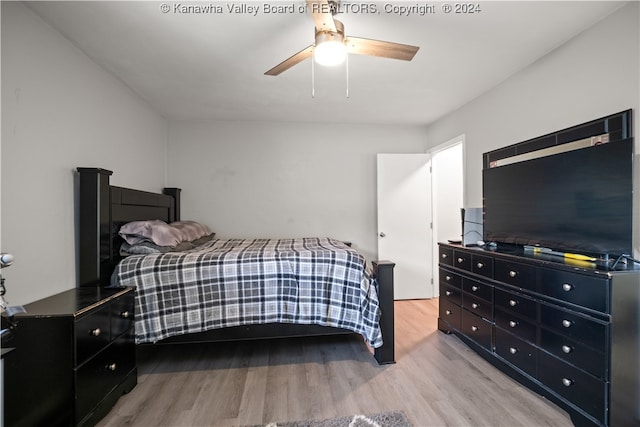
381, 48
291, 61
322, 16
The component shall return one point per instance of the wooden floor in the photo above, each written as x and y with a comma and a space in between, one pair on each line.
437, 381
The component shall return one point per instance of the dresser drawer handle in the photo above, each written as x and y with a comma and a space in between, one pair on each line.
567, 349
567, 382
475, 305
567, 287
474, 288
513, 302
474, 328
513, 323
125, 315
447, 312
567, 323
460, 260
480, 265
95, 332
444, 256
448, 293
111, 367
513, 350
513, 273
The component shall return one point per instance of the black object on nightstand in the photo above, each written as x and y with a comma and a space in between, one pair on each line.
74, 358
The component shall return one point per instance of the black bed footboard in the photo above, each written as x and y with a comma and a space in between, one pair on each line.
384, 275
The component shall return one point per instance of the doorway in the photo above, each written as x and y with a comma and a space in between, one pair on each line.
447, 192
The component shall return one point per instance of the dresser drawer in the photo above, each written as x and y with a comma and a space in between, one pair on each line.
92, 333
96, 378
515, 325
515, 274
478, 306
523, 306
483, 265
122, 311
462, 259
589, 331
579, 289
450, 313
449, 278
477, 289
580, 388
477, 329
516, 351
574, 353
454, 295
446, 256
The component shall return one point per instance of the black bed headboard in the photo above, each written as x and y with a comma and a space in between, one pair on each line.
103, 208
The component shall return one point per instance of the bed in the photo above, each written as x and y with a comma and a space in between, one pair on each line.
104, 209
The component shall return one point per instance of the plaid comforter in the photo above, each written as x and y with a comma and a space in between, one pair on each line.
237, 282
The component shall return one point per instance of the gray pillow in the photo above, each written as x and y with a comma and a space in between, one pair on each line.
154, 231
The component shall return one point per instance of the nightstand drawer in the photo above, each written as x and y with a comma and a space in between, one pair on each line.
92, 333
96, 378
122, 315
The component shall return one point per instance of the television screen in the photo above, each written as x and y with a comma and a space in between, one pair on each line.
574, 201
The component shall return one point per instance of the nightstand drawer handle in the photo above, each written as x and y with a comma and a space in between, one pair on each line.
567, 323
513, 323
95, 332
567, 349
474, 328
447, 312
125, 315
474, 288
567, 287
480, 265
513, 350
111, 367
513, 302
475, 305
567, 382
513, 273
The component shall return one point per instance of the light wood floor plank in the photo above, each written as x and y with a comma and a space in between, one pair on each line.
437, 381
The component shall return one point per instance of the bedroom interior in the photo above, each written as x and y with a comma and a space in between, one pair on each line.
96, 85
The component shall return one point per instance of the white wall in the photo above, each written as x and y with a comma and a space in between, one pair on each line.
59, 111
591, 76
258, 179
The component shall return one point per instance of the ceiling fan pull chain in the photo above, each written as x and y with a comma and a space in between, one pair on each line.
313, 76
347, 68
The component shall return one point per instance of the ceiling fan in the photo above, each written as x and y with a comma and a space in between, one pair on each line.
330, 37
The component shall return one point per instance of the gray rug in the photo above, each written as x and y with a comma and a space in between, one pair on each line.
383, 419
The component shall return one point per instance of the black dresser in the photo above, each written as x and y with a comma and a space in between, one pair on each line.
74, 357
568, 330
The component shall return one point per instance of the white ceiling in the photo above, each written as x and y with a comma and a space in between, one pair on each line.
211, 65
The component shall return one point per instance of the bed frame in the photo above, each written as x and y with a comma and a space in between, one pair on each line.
103, 208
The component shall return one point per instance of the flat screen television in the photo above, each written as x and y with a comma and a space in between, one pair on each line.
580, 200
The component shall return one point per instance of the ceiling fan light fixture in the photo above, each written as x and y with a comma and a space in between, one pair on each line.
330, 53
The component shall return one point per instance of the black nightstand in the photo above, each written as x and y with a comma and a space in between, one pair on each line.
74, 358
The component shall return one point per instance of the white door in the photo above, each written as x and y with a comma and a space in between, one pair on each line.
404, 222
